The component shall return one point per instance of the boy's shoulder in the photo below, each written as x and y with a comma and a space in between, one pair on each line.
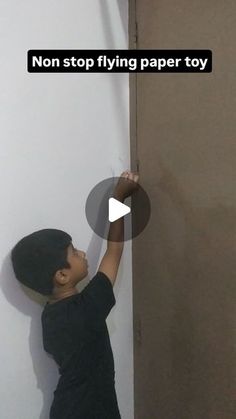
99, 283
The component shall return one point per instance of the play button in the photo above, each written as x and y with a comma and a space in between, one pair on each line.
117, 210
102, 209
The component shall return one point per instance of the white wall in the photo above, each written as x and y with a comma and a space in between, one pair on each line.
60, 135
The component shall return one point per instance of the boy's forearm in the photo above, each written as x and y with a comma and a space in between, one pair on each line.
115, 238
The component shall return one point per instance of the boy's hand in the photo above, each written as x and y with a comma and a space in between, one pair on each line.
126, 185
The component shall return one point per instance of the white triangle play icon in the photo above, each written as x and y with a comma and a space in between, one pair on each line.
116, 209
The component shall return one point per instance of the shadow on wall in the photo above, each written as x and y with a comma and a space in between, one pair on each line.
119, 98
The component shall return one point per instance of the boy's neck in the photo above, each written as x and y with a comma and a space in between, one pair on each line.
57, 296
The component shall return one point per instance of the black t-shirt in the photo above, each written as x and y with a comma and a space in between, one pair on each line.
76, 335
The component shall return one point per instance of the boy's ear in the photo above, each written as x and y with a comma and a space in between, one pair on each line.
61, 277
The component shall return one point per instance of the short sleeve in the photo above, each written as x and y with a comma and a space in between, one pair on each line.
98, 298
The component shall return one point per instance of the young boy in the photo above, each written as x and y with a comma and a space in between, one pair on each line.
74, 326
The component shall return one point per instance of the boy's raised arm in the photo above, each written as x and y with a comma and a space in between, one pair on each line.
115, 240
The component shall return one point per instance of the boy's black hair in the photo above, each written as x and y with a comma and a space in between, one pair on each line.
38, 256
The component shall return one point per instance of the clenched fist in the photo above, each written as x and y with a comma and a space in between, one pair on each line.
126, 185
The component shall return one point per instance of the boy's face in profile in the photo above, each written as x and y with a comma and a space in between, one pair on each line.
78, 262
66, 279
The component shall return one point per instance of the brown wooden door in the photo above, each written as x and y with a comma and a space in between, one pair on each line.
183, 134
